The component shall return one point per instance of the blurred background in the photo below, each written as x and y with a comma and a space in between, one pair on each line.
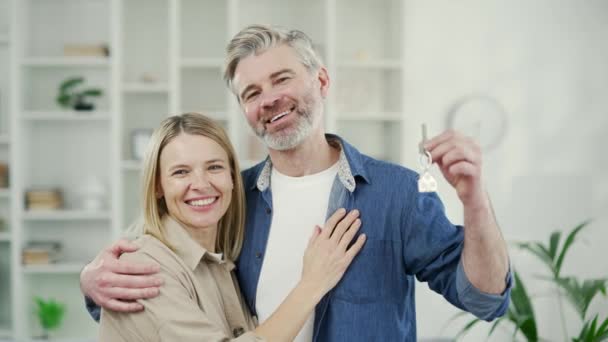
83, 83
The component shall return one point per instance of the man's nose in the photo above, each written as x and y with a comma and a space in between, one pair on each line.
269, 101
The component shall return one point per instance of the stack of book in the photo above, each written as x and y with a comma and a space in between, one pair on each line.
43, 199
41, 252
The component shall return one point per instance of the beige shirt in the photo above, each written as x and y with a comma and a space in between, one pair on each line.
199, 301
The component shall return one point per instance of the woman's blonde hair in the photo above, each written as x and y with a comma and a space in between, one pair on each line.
231, 228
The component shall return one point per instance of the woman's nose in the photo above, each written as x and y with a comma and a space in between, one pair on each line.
199, 181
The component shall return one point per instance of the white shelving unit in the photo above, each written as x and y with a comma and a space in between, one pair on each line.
165, 57
7, 249
58, 268
44, 62
65, 116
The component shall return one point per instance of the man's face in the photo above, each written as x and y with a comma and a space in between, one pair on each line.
281, 99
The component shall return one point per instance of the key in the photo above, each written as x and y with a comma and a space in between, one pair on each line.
426, 182
424, 139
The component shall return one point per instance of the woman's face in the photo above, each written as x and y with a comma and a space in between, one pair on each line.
195, 180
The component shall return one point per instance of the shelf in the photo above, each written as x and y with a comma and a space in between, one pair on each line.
5, 332
65, 215
202, 63
5, 139
66, 116
5, 193
5, 237
381, 116
387, 64
66, 339
131, 165
66, 62
58, 268
145, 88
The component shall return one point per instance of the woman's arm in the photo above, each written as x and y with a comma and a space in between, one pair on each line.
326, 259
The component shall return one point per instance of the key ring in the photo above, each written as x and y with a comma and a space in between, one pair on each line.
426, 164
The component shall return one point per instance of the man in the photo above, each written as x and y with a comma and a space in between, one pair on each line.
280, 84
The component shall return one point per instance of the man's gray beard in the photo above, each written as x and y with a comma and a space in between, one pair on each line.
281, 142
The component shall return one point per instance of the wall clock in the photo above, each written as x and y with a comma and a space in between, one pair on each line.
481, 117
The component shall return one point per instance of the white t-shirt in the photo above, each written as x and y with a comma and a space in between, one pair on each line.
299, 204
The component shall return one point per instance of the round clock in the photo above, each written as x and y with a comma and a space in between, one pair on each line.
481, 117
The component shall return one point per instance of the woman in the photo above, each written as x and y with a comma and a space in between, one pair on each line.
193, 213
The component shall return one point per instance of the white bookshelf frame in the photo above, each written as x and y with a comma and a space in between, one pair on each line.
120, 92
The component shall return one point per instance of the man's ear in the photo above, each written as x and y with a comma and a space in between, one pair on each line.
323, 78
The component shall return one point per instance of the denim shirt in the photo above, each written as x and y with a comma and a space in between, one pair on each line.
408, 235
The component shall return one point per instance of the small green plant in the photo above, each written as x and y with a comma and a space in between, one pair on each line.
579, 293
70, 96
50, 314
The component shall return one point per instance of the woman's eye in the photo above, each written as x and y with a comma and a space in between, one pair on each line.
179, 172
216, 167
282, 80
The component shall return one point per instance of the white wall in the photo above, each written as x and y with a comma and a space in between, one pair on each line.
547, 63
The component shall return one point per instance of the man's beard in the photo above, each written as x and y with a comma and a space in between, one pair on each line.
283, 140
291, 137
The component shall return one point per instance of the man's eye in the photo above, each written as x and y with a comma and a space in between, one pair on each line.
251, 96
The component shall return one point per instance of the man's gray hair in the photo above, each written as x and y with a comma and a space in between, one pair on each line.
256, 39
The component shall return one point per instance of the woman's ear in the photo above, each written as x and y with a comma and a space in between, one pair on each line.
159, 192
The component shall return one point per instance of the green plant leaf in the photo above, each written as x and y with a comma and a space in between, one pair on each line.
554, 243
590, 332
579, 294
50, 313
567, 244
91, 92
541, 252
467, 327
70, 83
64, 100
521, 311
495, 325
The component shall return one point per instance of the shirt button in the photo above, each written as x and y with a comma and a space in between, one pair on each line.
268, 211
258, 255
238, 331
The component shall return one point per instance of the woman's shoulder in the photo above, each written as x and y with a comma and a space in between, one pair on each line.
153, 250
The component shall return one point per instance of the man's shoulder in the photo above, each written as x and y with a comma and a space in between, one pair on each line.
250, 175
381, 171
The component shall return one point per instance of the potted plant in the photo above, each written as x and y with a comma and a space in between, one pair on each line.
579, 293
70, 96
50, 314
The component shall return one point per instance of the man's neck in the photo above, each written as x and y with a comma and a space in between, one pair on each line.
312, 156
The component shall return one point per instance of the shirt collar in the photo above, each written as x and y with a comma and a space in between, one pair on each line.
186, 248
349, 165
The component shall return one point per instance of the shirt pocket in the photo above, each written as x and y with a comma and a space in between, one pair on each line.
372, 276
